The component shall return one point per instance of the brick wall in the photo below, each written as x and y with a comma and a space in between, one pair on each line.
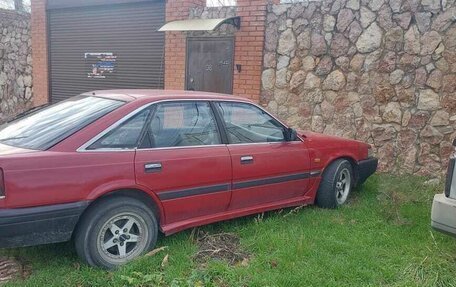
39, 53
176, 44
249, 48
249, 43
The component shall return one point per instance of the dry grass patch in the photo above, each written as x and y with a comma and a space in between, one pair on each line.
220, 246
12, 269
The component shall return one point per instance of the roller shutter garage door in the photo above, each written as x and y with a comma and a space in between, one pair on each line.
122, 37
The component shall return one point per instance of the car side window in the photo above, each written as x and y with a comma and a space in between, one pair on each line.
247, 123
177, 124
125, 136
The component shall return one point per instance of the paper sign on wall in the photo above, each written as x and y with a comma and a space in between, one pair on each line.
101, 65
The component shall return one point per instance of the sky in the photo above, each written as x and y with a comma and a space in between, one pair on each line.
9, 4
215, 3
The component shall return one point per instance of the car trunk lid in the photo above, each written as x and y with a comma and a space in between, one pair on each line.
11, 150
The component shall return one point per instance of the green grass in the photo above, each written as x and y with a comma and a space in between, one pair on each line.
381, 238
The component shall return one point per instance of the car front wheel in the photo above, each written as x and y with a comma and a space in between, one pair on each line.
336, 184
115, 231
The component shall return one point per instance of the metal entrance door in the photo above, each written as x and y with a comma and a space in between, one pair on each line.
210, 64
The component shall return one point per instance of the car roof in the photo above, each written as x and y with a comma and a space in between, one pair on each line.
146, 95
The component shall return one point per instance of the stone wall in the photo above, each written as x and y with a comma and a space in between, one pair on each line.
381, 71
15, 64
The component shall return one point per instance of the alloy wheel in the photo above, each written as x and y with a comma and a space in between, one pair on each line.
343, 185
122, 238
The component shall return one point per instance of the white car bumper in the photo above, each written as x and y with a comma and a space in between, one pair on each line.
443, 217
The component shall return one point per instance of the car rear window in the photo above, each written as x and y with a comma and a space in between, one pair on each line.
46, 127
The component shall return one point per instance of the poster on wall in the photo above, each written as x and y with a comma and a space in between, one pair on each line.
101, 65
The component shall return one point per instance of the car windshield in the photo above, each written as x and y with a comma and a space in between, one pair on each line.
46, 127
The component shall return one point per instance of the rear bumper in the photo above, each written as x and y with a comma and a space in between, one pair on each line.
443, 215
366, 168
39, 225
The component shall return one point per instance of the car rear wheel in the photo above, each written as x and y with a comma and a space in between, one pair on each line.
336, 184
115, 231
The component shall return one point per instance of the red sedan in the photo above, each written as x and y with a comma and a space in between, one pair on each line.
112, 169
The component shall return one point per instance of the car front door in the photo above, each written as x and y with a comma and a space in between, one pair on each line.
266, 167
182, 159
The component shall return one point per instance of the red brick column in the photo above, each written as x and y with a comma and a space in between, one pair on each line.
39, 53
249, 48
249, 45
175, 43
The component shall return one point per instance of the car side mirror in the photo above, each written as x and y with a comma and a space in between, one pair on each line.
291, 135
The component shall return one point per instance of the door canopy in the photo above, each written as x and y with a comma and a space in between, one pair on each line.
200, 24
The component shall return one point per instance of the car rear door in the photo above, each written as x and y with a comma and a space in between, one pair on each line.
266, 167
182, 159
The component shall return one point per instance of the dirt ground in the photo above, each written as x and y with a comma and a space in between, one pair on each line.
220, 246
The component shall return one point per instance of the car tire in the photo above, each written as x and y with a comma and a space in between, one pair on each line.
336, 184
115, 231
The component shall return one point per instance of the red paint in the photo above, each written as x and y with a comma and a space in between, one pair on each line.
186, 168
269, 160
63, 175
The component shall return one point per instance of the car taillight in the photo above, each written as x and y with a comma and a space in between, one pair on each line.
2, 183
370, 152
449, 178
450, 184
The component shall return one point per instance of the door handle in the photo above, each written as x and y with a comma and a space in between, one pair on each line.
246, 159
152, 167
